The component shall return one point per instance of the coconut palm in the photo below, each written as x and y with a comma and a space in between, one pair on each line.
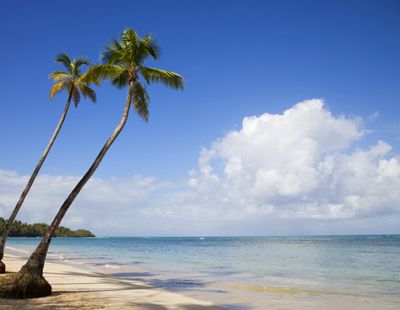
73, 81
124, 66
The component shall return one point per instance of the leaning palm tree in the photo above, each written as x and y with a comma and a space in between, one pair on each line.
124, 66
73, 81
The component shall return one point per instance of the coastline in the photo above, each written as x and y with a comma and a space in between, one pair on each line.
79, 287
171, 273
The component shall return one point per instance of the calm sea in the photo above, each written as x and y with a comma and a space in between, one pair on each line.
249, 272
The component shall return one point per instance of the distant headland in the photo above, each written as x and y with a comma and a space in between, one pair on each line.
19, 229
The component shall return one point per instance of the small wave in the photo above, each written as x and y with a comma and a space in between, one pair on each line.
107, 263
112, 266
56, 256
17, 250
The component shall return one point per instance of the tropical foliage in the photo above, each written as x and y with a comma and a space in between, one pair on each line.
20, 229
123, 64
72, 80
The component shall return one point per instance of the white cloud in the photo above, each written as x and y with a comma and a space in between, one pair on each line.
101, 204
296, 172
300, 164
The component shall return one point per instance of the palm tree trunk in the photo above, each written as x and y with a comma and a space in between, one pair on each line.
36, 261
28, 186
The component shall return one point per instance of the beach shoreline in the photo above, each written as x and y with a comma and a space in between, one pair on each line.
79, 287
143, 273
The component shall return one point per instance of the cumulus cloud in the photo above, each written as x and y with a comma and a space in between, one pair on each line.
300, 164
278, 173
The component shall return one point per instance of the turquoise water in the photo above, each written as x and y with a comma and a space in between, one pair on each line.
341, 265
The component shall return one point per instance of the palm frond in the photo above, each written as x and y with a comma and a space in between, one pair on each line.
58, 76
76, 63
121, 80
130, 42
152, 48
89, 78
103, 71
112, 54
130, 38
81, 61
147, 47
65, 60
140, 101
168, 78
87, 92
57, 88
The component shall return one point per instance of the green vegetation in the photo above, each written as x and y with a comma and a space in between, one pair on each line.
19, 229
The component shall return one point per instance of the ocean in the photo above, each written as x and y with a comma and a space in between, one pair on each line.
355, 272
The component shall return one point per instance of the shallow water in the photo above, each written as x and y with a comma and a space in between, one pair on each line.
250, 272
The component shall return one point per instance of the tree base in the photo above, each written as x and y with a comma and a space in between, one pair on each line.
23, 285
2, 267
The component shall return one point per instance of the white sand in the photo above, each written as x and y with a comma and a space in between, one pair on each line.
80, 288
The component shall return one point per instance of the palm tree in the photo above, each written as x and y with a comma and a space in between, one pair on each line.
74, 82
124, 66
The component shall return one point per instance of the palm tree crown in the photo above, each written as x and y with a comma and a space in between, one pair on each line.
72, 80
124, 65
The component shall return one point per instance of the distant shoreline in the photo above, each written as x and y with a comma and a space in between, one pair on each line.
20, 229
54, 237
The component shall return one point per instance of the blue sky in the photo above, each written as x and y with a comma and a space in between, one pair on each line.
240, 58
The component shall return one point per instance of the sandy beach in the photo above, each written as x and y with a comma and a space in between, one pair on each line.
76, 287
